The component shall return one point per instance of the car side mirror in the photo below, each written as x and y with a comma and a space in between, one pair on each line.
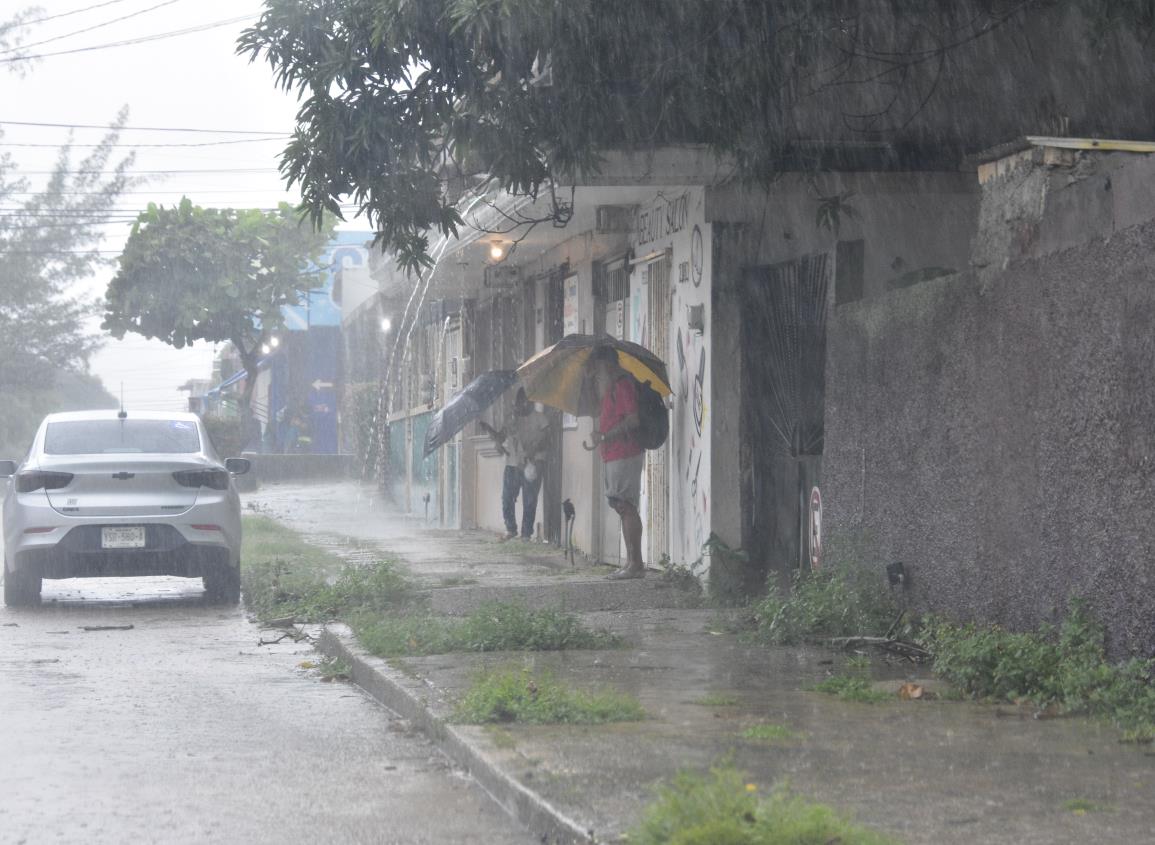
7, 468
238, 466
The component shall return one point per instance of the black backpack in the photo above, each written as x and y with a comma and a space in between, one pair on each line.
654, 420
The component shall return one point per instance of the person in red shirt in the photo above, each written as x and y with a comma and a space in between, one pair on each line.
623, 458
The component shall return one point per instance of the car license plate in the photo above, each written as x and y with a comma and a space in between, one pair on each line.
122, 537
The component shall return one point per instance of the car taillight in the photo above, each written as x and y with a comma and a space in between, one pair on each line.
214, 479
28, 482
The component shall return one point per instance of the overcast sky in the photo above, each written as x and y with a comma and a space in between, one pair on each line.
189, 81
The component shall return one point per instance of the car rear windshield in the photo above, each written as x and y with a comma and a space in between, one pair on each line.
96, 437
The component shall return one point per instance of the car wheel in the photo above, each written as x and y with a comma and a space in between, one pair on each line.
223, 584
21, 588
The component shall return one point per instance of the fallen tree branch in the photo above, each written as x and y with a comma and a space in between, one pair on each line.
293, 634
902, 647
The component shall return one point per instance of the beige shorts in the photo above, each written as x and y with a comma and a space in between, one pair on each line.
622, 479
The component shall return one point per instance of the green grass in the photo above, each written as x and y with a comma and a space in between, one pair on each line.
769, 732
858, 662
717, 699
722, 808
518, 696
492, 627
285, 576
849, 688
1082, 806
1067, 669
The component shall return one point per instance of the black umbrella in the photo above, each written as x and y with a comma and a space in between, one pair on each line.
467, 406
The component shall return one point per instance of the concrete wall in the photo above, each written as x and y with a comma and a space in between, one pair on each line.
993, 429
911, 224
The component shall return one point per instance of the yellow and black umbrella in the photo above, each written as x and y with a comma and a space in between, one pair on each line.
556, 376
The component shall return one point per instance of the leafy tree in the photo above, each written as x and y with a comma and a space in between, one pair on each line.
400, 97
49, 239
23, 409
13, 33
190, 273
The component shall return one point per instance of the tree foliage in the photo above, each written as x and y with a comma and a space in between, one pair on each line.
49, 239
23, 409
398, 96
192, 274
48, 242
13, 33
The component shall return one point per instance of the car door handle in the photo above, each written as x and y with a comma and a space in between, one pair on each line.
123, 476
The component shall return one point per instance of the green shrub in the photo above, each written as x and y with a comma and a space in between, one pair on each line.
729, 572
510, 696
1068, 669
844, 601
721, 808
227, 435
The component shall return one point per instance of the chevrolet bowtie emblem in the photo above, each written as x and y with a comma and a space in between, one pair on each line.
123, 476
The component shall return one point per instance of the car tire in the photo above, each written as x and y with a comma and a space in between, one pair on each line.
223, 585
21, 589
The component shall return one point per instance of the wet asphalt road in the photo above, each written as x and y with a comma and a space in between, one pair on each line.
182, 729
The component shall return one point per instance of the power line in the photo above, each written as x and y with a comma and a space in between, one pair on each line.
159, 172
89, 28
55, 252
18, 212
198, 191
108, 128
8, 227
73, 12
142, 146
130, 41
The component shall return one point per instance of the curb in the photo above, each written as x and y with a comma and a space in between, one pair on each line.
408, 696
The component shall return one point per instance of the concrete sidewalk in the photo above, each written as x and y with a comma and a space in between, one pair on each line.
924, 771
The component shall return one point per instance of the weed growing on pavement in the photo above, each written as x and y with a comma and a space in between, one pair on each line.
492, 627
723, 808
727, 567
849, 688
717, 699
770, 732
1067, 669
1082, 806
843, 601
685, 577
285, 576
335, 669
519, 696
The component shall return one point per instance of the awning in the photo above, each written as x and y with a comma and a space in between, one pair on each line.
215, 393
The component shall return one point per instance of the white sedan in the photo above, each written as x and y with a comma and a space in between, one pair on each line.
104, 493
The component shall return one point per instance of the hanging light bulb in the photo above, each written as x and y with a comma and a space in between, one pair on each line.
274, 342
496, 251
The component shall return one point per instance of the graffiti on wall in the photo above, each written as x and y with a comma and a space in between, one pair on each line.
691, 445
676, 225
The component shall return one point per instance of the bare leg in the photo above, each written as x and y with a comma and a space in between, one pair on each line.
632, 533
